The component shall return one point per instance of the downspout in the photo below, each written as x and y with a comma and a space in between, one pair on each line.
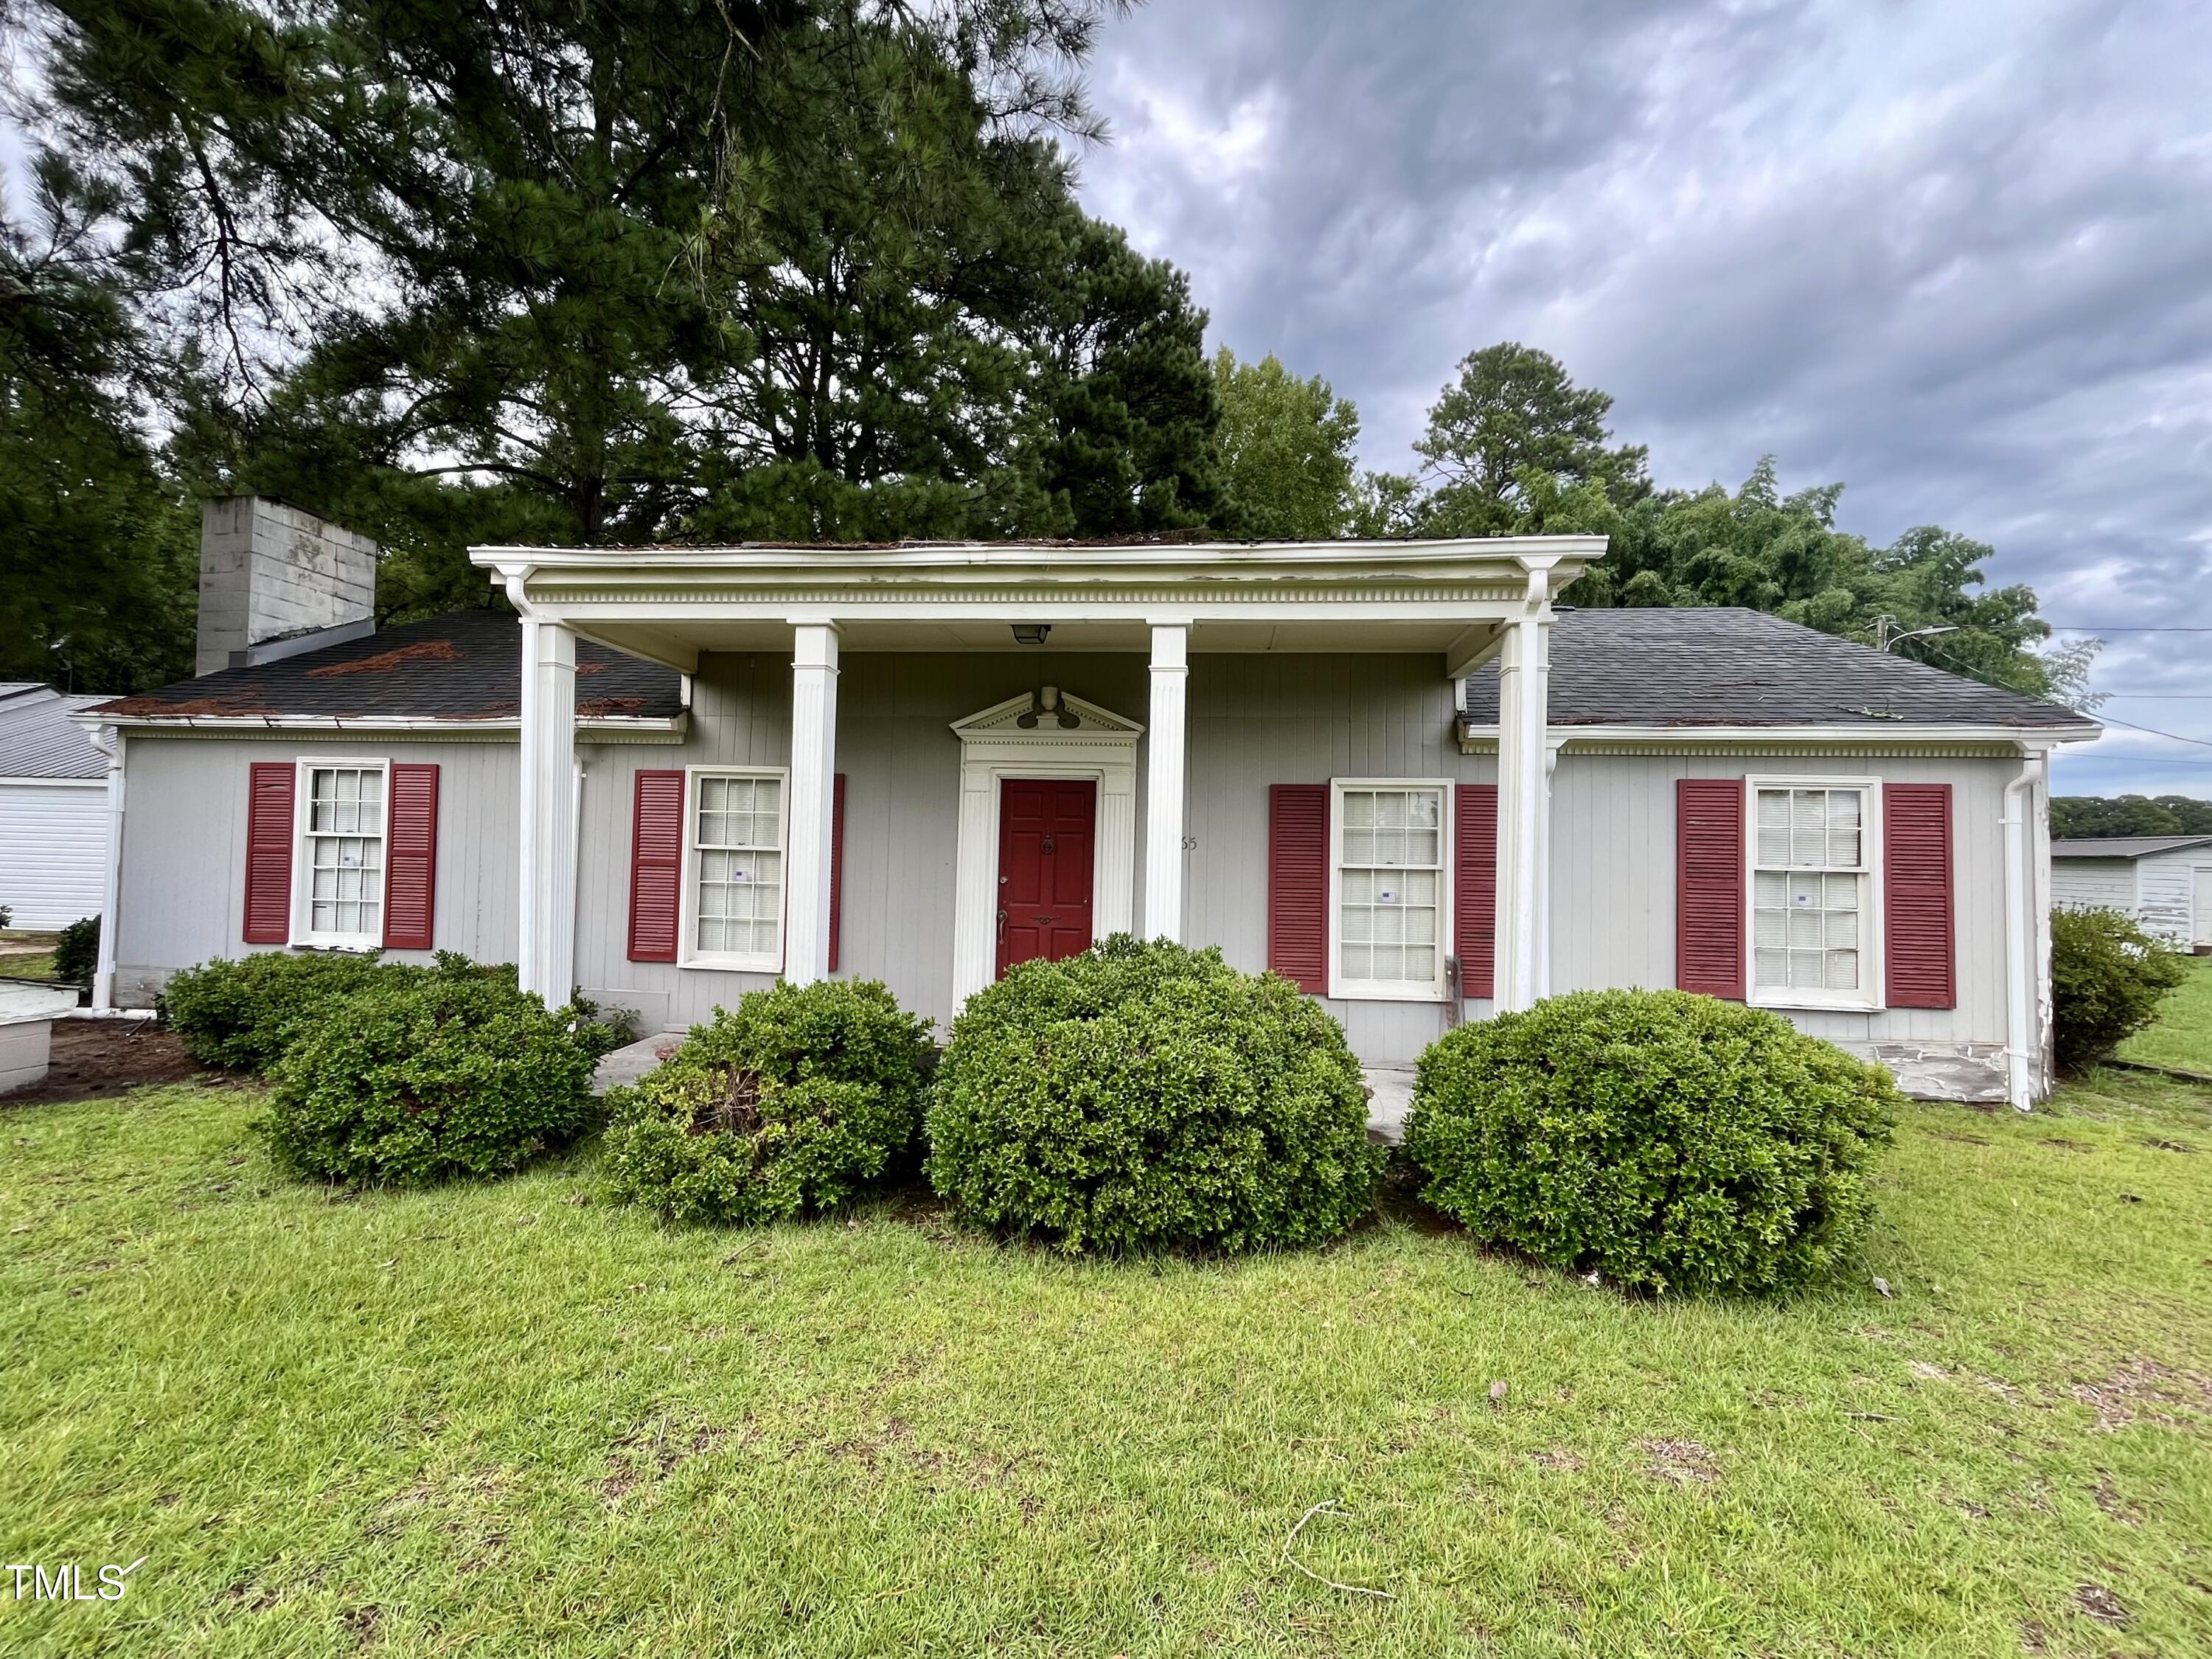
111, 738
2020, 1039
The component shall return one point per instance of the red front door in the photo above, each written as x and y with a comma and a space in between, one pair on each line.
1046, 828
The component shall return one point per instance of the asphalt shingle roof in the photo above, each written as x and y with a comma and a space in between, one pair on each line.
467, 667
38, 739
1732, 668
2123, 847
1651, 667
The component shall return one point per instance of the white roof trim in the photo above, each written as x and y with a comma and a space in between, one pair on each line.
2030, 738
435, 723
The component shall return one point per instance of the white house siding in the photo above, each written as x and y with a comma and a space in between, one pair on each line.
1253, 721
53, 850
1614, 880
1260, 720
901, 766
2094, 884
182, 898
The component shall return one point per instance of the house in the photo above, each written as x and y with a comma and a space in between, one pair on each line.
53, 809
2165, 882
1398, 772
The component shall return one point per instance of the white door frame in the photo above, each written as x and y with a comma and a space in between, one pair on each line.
1103, 747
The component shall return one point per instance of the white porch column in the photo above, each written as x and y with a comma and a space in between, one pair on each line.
1525, 816
1163, 781
813, 780
546, 962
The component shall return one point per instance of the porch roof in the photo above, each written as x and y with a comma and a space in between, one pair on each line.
669, 604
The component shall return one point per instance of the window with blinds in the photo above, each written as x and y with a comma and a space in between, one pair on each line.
1390, 901
737, 849
342, 833
1811, 894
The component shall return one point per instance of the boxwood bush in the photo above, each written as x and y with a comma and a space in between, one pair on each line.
1146, 1095
2107, 978
241, 1013
1671, 1142
794, 1103
429, 1074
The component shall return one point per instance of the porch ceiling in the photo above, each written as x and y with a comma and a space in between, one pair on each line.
671, 603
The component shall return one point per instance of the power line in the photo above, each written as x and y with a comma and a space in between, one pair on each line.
2124, 628
2113, 719
2109, 719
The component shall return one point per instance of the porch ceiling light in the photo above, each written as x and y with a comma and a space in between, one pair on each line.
1031, 633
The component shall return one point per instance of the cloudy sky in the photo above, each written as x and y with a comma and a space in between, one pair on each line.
1956, 255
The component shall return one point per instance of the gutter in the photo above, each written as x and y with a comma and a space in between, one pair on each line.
426, 725
1470, 733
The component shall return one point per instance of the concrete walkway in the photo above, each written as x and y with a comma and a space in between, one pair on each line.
1390, 1088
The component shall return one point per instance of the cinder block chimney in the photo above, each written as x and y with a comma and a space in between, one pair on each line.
276, 580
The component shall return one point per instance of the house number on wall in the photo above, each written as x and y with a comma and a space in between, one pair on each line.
1190, 843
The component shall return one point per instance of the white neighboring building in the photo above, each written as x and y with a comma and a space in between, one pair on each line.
53, 809
2165, 882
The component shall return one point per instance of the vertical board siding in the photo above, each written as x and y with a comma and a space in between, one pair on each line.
656, 866
1919, 948
1474, 893
183, 858
1297, 884
268, 911
1708, 865
410, 859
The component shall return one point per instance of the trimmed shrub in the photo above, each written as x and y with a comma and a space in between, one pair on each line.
76, 954
1146, 1095
240, 1014
1672, 1142
795, 1103
2107, 978
429, 1074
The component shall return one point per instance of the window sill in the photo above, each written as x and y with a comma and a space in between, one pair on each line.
1812, 1006
354, 944
714, 964
1383, 991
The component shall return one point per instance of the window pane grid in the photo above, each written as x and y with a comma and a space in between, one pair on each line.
1391, 885
736, 833
1808, 889
345, 850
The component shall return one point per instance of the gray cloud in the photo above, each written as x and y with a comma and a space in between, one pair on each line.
1958, 257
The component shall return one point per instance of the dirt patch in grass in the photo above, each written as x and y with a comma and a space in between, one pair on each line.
1678, 1462
93, 1058
2143, 1388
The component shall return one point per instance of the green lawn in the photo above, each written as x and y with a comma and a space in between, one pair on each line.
2182, 1034
38, 966
504, 1420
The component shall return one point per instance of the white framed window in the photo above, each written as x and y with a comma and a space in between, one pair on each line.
1389, 887
1815, 855
736, 832
339, 816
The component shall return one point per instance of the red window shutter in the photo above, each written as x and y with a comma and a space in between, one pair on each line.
836, 865
1709, 886
656, 866
1298, 884
1474, 884
1917, 946
268, 852
410, 858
